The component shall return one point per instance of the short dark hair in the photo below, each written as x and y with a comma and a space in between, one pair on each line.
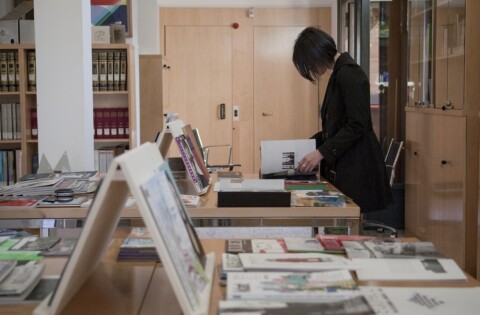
313, 48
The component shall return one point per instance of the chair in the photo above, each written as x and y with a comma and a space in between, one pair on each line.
206, 150
391, 159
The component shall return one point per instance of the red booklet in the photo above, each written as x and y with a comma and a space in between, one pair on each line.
20, 202
333, 242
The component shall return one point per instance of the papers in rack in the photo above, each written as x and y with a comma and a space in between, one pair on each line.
291, 286
408, 269
408, 301
283, 155
294, 262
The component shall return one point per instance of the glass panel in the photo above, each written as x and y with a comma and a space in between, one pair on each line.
420, 53
449, 53
379, 75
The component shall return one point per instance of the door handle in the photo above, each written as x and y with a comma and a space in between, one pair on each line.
221, 111
268, 113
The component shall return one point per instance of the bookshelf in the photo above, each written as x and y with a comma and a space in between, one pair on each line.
22, 92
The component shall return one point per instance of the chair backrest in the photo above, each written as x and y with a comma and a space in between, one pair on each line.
391, 158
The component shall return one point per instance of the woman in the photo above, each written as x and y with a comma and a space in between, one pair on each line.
347, 148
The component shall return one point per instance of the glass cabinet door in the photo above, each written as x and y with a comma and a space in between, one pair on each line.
449, 54
420, 54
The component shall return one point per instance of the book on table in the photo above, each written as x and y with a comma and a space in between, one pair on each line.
35, 243
405, 269
291, 286
357, 305
390, 248
423, 300
293, 262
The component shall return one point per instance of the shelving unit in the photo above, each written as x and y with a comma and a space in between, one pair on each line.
28, 145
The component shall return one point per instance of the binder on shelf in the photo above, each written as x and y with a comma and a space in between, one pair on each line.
114, 122
106, 123
121, 123
32, 71
110, 70
11, 71
33, 123
116, 70
3, 72
123, 71
95, 70
102, 70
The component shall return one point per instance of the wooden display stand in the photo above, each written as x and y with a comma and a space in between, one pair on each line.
142, 173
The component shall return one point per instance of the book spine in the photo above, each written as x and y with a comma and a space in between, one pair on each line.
126, 122
102, 70
114, 122
32, 71
11, 70
123, 71
18, 164
110, 70
3, 72
121, 123
106, 123
99, 126
95, 70
18, 129
33, 123
17, 72
191, 173
198, 163
116, 70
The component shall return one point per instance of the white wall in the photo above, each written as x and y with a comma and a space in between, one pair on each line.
64, 82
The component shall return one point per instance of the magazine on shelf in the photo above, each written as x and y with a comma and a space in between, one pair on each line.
334, 243
293, 262
291, 286
35, 243
405, 269
63, 248
192, 162
6, 266
20, 201
140, 172
20, 282
357, 305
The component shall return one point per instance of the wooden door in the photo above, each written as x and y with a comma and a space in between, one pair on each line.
201, 80
286, 105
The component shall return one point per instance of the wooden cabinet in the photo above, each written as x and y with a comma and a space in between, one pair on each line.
439, 204
21, 123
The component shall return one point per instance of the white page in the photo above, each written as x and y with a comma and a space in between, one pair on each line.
409, 301
283, 155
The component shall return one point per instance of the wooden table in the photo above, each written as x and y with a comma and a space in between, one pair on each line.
208, 214
125, 288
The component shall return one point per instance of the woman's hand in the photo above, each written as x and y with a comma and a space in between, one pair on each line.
310, 162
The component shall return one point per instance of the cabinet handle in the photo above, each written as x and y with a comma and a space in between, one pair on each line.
443, 162
268, 113
415, 153
447, 105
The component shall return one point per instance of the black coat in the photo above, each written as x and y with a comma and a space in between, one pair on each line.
353, 160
